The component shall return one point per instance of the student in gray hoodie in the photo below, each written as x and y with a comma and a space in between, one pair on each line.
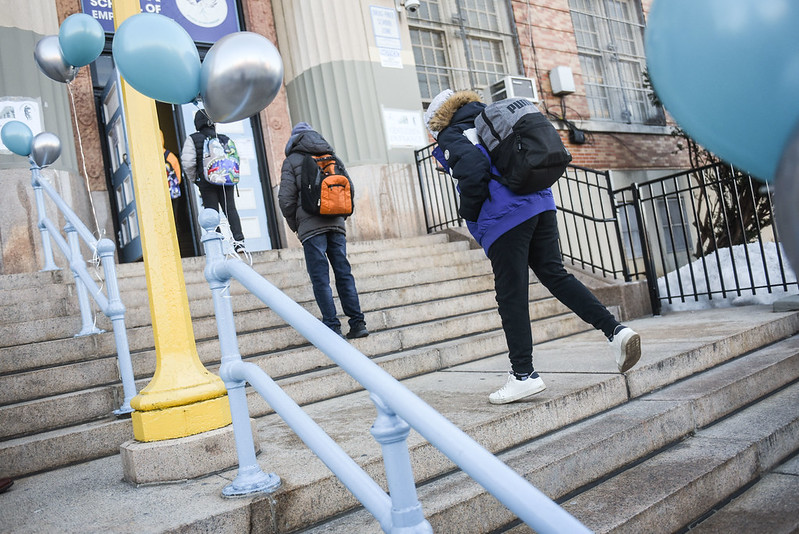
324, 238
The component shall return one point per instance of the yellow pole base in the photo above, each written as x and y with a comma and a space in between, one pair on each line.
181, 421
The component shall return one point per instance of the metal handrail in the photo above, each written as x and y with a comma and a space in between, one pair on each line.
110, 304
398, 410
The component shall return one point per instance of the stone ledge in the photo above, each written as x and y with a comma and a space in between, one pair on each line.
789, 303
176, 460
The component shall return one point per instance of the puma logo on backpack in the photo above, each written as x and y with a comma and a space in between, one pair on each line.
325, 187
523, 145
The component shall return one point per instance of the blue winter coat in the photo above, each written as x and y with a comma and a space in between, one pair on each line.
490, 208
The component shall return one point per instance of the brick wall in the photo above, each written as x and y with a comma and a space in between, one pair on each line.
546, 38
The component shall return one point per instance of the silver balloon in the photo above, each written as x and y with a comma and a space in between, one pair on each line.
45, 148
241, 74
50, 58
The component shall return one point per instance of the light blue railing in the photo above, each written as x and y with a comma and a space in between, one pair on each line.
111, 305
398, 409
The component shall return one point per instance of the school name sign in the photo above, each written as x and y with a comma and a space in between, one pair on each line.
205, 20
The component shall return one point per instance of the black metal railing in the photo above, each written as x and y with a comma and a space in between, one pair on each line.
589, 232
677, 232
440, 198
709, 233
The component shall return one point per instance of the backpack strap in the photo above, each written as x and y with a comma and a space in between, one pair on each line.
490, 125
199, 140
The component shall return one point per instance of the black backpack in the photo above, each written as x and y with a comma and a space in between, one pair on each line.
325, 186
523, 145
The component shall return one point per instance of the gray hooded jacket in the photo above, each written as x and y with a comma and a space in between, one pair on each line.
303, 140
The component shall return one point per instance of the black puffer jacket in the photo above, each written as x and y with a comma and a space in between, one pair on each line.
468, 164
305, 141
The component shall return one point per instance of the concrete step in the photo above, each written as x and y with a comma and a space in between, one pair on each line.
574, 457
43, 286
275, 257
370, 277
309, 377
560, 438
667, 492
361, 262
770, 505
260, 331
20, 339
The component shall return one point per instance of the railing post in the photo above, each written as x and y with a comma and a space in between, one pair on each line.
625, 269
47, 247
115, 311
76, 259
392, 432
649, 268
250, 478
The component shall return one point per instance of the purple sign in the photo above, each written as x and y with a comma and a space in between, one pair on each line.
205, 20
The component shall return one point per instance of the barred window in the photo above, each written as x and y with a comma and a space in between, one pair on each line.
462, 44
630, 232
671, 213
610, 45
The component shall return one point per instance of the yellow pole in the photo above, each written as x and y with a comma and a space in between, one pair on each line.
183, 398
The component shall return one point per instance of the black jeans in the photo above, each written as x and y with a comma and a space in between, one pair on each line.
215, 196
534, 244
332, 247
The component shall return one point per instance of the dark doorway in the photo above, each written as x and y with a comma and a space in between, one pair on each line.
182, 207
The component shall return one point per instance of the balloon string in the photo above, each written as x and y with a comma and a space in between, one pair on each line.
83, 162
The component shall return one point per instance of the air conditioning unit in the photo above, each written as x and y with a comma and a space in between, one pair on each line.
511, 87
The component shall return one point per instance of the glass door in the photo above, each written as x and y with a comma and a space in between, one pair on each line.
128, 238
249, 191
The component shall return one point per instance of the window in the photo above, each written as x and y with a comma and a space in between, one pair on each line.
462, 44
629, 232
610, 46
671, 217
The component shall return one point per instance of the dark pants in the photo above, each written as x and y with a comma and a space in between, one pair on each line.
215, 196
318, 250
534, 244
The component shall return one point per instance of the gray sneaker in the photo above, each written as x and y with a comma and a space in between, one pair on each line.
626, 346
515, 389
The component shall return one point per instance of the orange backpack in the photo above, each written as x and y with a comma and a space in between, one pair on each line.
326, 188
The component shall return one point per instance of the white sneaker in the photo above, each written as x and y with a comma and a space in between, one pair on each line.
515, 389
626, 346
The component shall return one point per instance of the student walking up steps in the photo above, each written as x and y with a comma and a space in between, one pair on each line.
517, 232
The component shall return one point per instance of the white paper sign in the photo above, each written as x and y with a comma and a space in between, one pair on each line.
385, 27
390, 58
22, 109
404, 128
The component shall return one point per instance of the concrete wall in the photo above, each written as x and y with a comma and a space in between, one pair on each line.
335, 81
21, 27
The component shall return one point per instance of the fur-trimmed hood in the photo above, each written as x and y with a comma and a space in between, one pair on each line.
440, 116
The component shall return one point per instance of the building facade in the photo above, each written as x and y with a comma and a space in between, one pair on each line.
361, 72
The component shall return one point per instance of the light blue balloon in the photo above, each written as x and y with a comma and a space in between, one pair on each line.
728, 71
157, 57
17, 137
81, 38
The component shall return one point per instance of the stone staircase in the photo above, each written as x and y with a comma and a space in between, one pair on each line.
708, 410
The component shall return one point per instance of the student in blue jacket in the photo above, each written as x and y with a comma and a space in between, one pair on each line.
516, 232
